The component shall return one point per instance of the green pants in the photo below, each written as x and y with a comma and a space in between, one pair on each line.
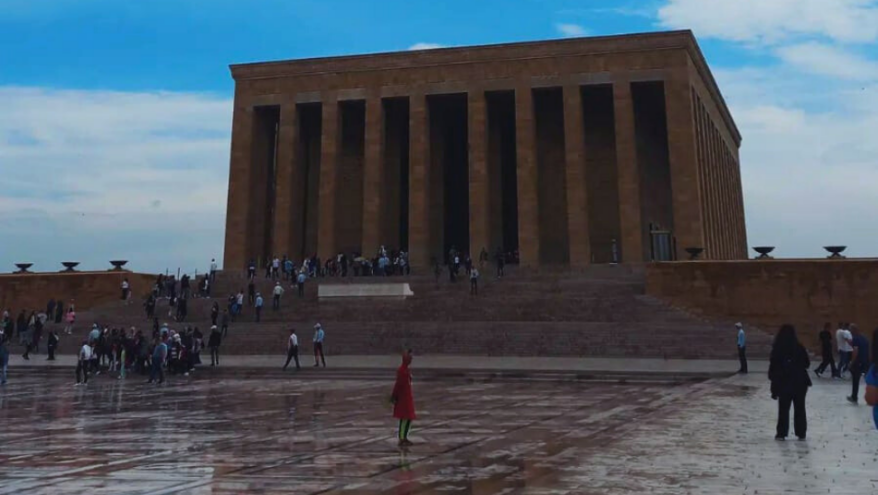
405, 426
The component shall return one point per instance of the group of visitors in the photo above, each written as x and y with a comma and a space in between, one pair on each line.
293, 347
790, 380
30, 327
119, 352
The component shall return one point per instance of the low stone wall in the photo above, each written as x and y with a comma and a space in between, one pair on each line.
768, 293
31, 291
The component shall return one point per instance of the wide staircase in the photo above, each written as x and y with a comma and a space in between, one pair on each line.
597, 312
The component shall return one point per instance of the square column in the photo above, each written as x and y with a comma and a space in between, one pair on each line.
289, 191
238, 208
628, 174
373, 177
528, 187
479, 178
419, 182
688, 227
577, 192
329, 150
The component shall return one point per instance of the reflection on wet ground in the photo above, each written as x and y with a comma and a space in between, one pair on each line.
275, 435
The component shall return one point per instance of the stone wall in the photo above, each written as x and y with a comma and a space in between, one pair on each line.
88, 289
768, 293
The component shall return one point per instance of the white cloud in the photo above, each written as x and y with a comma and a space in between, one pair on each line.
807, 160
571, 30
826, 60
94, 175
774, 20
426, 46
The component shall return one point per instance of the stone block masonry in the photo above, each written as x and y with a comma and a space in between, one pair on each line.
566, 152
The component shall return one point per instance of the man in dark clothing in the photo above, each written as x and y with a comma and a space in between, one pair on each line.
251, 292
51, 345
21, 324
50, 308
225, 323
859, 362
501, 262
826, 349
59, 311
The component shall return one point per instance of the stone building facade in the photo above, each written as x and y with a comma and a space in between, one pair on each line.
568, 152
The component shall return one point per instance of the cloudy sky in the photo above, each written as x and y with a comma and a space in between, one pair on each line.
115, 115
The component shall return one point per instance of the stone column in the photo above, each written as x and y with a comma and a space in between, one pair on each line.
628, 174
688, 227
288, 190
329, 149
419, 181
577, 193
528, 187
373, 176
238, 208
479, 178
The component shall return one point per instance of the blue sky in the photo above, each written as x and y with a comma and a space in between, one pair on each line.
116, 114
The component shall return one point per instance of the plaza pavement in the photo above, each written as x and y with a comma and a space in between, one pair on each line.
226, 435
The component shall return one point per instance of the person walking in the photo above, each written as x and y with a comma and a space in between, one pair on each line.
224, 323
742, 348
871, 380
825, 338
403, 400
474, 281
70, 320
275, 301
126, 290
159, 355
82, 363
843, 341
259, 303
292, 349
213, 342
319, 335
214, 313
859, 361
788, 372
52, 344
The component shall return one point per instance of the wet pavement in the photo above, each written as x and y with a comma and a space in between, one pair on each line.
306, 435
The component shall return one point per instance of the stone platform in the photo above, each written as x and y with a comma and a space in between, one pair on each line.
308, 435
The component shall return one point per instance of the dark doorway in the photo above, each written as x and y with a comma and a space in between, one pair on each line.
396, 173
263, 182
310, 128
651, 136
450, 170
502, 171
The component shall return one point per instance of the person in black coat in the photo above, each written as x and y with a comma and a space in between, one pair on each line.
788, 372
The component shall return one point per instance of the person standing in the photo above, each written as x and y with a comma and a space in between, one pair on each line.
788, 372
501, 262
126, 290
4, 356
213, 342
82, 363
403, 400
251, 292
826, 350
742, 348
212, 270
473, 281
319, 335
275, 301
859, 362
52, 344
300, 283
843, 341
292, 349
214, 313
259, 303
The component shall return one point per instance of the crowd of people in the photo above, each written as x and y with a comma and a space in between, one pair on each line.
790, 378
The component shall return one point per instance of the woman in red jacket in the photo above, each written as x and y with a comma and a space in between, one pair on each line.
402, 399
